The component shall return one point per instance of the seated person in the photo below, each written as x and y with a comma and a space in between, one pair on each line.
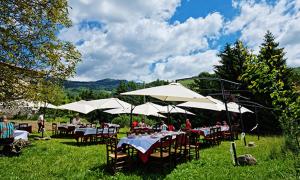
188, 124
171, 127
225, 123
218, 123
76, 120
142, 123
163, 126
134, 124
6, 133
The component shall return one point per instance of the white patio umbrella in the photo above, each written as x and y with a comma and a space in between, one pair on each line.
175, 109
79, 106
171, 92
149, 109
140, 111
216, 106
109, 103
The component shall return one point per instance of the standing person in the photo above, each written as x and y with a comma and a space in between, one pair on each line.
188, 124
40, 122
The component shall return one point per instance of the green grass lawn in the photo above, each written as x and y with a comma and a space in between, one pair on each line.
62, 159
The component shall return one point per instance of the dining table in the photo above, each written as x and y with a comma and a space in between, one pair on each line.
145, 143
205, 131
21, 134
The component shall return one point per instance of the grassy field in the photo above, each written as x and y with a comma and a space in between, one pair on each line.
61, 159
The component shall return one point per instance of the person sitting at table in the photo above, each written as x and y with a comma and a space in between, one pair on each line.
6, 134
76, 120
225, 123
188, 124
40, 122
142, 123
171, 127
134, 124
163, 126
218, 123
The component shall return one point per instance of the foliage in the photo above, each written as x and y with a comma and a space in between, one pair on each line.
232, 63
62, 159
124, 120
205, 87
267, 74
32, 55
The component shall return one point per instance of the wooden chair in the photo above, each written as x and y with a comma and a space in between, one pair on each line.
99, 135
116, 159
54, 129
162, 155
219, 135
179, 149
112, 132
79, 136
211, 137
193, 145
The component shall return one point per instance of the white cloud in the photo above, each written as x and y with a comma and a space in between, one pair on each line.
135, 36
281, 18
110, 11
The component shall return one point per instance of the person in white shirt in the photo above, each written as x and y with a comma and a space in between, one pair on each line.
142, 123
40, 122
76, 120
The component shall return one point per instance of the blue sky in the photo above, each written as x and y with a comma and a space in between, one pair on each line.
170, 39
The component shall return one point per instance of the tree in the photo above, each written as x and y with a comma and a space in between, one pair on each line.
232, 62
205, 87
31, 54
269, 79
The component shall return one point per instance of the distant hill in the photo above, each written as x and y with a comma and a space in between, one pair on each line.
105, 84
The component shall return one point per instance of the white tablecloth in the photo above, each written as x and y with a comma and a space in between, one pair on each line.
144, 142
20, 134
91, 131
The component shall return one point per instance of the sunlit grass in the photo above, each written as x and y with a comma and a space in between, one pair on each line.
62, 159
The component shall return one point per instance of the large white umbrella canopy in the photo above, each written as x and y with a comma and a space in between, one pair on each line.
175, 109
109, 103
78, 106
149, 109
216, 106
171, 92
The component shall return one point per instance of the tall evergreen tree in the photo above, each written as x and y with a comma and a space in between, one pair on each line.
232, 66
232, 61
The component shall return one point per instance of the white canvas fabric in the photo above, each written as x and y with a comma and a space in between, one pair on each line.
109, 103
216, 106
79, 106
171, 92
175, 109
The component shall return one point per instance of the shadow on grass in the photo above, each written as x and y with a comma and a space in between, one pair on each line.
145, 171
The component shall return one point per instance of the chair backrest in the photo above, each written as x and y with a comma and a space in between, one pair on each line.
165, 145
22, 125
111, 130
179, 141
193, 138
54, 126
99, 131
79, 134
111, 146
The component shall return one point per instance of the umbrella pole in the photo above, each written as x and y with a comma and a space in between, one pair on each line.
229, 121
257, 123
131, 110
